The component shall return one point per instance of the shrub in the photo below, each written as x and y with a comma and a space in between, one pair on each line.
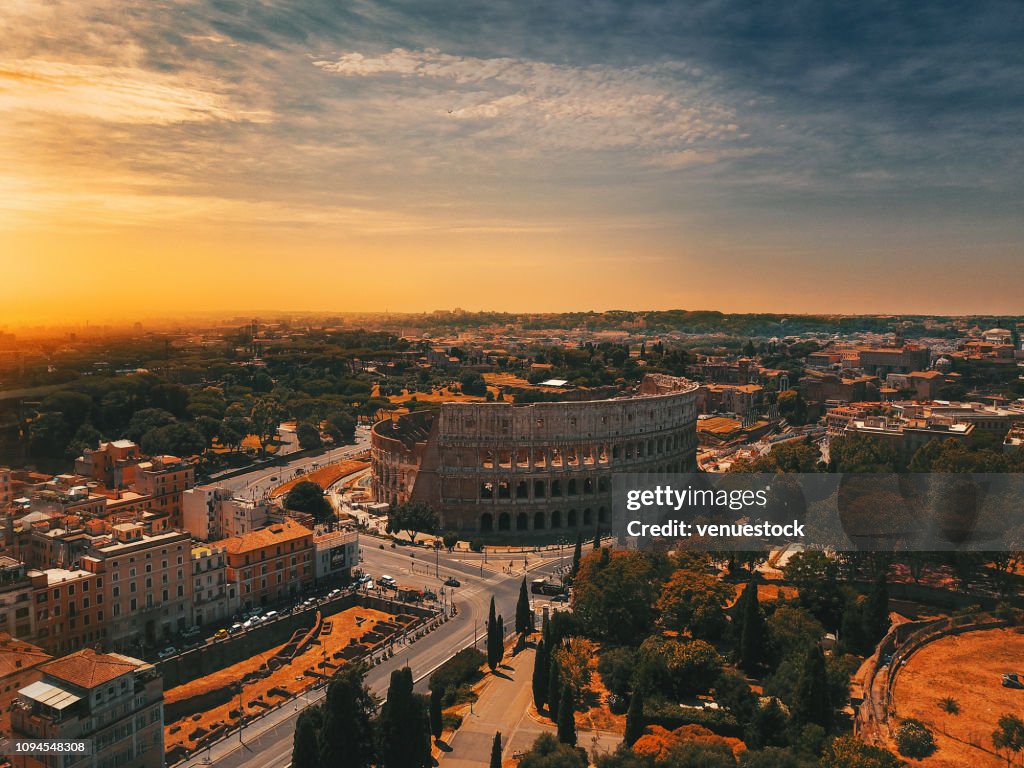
914, 739
451, 721
460, 669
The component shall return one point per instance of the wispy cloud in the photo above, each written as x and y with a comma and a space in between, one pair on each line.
114, 94
664, 107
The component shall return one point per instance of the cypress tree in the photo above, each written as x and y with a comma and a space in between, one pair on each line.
635, 718
541, 670
876, 609
347, 733
524, 614
492, 643
554, 689
305, 749
597, 538
567, 717
403, 724
811, 700
752, 630
577, 554
496, 751
436, 715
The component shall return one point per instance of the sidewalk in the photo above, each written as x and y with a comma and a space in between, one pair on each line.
504, 706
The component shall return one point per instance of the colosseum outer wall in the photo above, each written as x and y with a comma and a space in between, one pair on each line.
540, 469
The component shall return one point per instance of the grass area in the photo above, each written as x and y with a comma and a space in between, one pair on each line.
968, 669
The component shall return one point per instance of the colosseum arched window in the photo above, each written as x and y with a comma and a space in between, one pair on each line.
538, 521
588, 485
538, 489
504, 490
486, 522
504, 521
588, 516
486, 490
571, 487
522, 490
571, 518
487, 459
602, 484
602, 515
522, 521
556, 488
556, 519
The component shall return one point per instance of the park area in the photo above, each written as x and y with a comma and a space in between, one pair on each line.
203, 710
967, 668
325, 477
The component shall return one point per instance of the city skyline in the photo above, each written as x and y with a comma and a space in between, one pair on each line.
207, 157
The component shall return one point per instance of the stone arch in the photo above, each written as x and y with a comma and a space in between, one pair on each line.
538, 489
556, 488
522, 489
486, 522
602, 515
588, 485
588, 516
504, 521
571, 518
522, 522
538, 521
556, 519
571, 489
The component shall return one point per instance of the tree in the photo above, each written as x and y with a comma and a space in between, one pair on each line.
524, 614
347, 734
554, 689
814, 574
450, 539
752, 631
577, 554
597, 538
436, 715
496, 751
307, 496
541, 670
567, 717
177, 439
265, 417
547, 752
1009, 736
811, 701
574, 657
412, 517
694, 601
305, 749
676, 668
616, 665
913, 738
876, 609
635, 718
309, 436
403, 725
850, 752
342, 424
614, 594
472, 383
495, 639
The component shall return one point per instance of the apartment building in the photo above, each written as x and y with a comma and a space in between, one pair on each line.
270, 564
115, 701
165, 479
337, 553
211, 513
16, 617
19, 666
145, 582
69, 610
212, 596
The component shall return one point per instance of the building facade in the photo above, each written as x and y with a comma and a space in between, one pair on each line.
501, 468
270, 564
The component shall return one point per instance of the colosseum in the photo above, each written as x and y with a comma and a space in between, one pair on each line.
501, 469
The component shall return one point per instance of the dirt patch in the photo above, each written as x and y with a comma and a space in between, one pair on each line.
267, 683
968, 668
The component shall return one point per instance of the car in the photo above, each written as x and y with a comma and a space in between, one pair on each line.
1013, 680
190, 645
562, 598
429, 594
365, 578
273, 479
248, 624
191, 631
333, 593
167, 652
269, 616
451, 581
235, 628
220, 634
387, 581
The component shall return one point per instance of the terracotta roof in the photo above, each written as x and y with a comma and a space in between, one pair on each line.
88, 669
278, 533
17, 655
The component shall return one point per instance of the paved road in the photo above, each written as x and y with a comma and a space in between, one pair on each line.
268, 742
255, 484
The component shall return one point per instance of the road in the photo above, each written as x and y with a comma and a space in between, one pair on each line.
255, 484
268, 742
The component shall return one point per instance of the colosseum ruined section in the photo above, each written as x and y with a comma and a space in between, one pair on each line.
504, 470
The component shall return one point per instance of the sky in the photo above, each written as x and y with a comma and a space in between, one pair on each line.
162, 157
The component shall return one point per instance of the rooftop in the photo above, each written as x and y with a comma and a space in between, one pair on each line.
89, 669
278, 533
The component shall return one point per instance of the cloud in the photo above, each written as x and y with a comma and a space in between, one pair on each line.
661, 107
114, 94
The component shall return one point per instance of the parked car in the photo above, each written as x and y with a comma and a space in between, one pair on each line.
429, 594
333, 593
220, 634
167, 652
191, 631
451, 581
562, 598
235, 628
387, 581
269, 616
1013, 680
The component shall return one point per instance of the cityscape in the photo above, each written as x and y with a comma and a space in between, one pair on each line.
410, 384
